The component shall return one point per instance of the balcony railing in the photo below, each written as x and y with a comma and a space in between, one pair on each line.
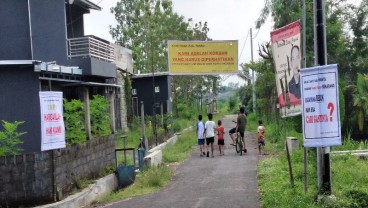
90, 46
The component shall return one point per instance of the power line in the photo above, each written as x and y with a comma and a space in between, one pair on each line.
256, 34
241, 52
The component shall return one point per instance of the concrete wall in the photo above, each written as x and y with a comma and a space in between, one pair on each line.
27, 179
48, 26
19, 101
15, 40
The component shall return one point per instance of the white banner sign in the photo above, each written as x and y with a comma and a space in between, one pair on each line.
320, 104
52, 121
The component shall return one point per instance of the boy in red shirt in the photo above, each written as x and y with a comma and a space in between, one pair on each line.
220, 137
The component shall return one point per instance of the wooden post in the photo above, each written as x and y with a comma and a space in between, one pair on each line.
305, 169
143, 128
162, 114
87, 116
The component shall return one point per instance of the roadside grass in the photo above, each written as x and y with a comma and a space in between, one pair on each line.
153, 179
148, 181
182, 149
348, 173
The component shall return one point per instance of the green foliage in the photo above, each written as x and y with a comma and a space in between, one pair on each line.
233, 104
189, 90
184, 112
347, 45
181, 149
273, 176
74, 121
143, 26
157, 176
361, 100
100, 118
149, 181
341, 104
246, 97
10, 138
177, 127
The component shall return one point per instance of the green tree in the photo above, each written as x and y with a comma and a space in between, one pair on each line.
144, 26
357, 50
339, 14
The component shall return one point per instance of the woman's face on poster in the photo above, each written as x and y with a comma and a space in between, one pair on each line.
295, 60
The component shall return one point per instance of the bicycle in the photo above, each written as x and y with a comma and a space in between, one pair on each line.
239, 144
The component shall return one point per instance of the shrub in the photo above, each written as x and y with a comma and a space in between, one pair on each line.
74, 121
10, 138
176, 126
100, 118
232, 103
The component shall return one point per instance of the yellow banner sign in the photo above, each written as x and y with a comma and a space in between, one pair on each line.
203, 57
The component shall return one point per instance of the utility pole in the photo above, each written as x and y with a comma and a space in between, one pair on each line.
304, 65
320, 54
253, 78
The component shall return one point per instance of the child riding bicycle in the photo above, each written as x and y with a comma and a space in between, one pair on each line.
241, 122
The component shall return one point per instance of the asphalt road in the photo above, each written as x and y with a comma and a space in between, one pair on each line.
222, 181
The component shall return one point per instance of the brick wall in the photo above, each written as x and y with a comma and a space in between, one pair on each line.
27, 179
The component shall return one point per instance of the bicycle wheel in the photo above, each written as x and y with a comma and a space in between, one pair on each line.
239, 144
236, 146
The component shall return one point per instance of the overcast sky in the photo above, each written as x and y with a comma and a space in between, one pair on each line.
227, 20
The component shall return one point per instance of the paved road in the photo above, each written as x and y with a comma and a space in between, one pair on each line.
222, 181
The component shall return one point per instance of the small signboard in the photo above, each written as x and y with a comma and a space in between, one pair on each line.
52, 120
320, 106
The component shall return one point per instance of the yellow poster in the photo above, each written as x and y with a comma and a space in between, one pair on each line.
203, 57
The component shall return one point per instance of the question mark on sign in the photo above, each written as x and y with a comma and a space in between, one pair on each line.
331, 107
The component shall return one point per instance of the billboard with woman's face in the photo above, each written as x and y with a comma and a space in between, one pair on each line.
287, 59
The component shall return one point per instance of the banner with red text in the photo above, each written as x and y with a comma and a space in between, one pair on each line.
52, 121
203, 57
287, 55
321, 115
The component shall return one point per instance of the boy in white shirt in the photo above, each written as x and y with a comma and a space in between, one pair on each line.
209, 132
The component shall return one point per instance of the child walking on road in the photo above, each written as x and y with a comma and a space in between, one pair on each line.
261, 135
200, 134
209, 132
220, 137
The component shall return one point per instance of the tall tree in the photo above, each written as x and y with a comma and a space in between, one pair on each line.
358, 45
144, 26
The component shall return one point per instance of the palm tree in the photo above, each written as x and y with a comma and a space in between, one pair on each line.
361, 99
